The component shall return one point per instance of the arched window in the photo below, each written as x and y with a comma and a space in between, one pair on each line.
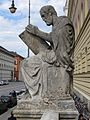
78, 23
76, 30
82, 13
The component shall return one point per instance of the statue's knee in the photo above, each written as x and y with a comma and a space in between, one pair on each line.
23, 64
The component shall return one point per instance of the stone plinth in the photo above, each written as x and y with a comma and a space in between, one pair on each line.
27, 110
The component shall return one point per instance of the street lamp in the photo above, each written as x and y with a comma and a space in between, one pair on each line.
13, 10
29, 22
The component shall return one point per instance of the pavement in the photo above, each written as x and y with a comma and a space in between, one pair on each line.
4, 90
7, 114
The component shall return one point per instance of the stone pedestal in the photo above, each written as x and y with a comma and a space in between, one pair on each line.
27, 110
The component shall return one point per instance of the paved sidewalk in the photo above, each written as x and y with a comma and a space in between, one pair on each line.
7, 114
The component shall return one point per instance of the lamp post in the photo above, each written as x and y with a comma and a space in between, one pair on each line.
29, 22
13, 10
29, 14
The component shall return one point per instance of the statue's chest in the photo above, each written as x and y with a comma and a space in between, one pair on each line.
55, 38
55, 34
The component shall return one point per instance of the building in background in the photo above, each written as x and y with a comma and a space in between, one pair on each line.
17, 63
65, 8
79, 12
6, 65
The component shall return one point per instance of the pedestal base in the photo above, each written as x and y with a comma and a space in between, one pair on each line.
27, 110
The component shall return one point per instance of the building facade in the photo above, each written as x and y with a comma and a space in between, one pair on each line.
17, 63
6, 64
79, 13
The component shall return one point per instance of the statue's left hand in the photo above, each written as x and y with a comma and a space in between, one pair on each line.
32, 29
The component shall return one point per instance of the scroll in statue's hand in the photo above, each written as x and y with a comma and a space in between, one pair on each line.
32, 29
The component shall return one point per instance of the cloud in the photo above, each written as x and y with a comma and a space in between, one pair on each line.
58, 4
11, 25
16, 46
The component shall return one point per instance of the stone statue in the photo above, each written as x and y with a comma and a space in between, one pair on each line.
50, 72
48, 75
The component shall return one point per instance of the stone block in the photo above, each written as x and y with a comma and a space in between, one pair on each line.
64, 110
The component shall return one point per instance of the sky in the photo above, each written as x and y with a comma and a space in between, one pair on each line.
11, 25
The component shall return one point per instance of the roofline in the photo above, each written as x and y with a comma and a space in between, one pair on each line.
2, 49
14, 53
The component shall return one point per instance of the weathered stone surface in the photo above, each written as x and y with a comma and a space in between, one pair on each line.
28, 109
49, 81
33, 42
50, 115
48, 76
54, 60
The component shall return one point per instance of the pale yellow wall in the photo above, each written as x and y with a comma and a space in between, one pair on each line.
82, 68
76, 11
86, 7
81, 81
82, 13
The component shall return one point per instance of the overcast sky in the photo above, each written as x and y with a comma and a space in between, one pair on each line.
11, 25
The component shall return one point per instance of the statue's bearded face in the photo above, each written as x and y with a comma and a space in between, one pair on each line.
47, 18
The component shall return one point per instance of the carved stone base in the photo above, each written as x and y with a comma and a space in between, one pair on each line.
31, 110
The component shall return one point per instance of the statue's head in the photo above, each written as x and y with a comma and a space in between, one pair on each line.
47, 13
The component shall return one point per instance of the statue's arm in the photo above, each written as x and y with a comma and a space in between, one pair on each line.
35, 31
43, 35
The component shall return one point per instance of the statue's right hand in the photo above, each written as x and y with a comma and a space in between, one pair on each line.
32, 29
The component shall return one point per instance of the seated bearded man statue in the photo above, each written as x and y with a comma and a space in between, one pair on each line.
50, 72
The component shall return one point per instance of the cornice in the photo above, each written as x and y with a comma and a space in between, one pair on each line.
3, 50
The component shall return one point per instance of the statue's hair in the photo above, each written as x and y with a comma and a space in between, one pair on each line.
48, 9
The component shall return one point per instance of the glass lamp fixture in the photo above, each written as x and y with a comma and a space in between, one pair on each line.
12, 8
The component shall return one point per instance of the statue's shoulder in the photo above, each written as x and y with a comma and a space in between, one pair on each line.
65, 20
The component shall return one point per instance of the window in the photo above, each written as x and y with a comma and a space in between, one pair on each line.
82, 13
78, 24
0, 65
76, 30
